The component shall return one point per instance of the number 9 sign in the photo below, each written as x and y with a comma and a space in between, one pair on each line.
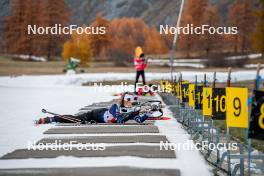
237, 107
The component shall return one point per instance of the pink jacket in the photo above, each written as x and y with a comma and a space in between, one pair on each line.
139, 64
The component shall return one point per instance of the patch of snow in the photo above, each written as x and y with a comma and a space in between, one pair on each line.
250, 56
197, 63
193, 65
70, 72
253, 65
32, 58
79, 79
176, 60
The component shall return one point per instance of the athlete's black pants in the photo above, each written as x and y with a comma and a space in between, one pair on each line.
142, 74
94, 115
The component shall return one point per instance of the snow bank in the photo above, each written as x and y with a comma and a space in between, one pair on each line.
194, 63
250, 56
31, 58
198, 63
79, 79
253, 65
176, 60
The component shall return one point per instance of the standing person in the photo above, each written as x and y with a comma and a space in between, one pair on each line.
140, 65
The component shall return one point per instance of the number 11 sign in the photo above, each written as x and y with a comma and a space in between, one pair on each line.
237, 107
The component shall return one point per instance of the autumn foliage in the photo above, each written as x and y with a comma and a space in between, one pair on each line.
100, 43
121, 38
123, 35
258, 35
241, 15
198, 13
128, 33
40, 13
78, 46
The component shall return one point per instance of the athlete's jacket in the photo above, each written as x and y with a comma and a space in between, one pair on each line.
140, 64
121, 115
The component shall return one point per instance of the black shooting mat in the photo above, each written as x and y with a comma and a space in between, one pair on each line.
105, 139
130, 122
90, 129
90, 171
128, 150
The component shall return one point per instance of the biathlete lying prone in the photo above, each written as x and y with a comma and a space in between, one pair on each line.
117, 113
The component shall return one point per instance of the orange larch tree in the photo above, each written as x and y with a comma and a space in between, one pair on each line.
210, 42
42, 14
100, 42
50, 13
241, 15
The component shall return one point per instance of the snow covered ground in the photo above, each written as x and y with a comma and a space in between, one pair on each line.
22, 99
19, 106
79, 79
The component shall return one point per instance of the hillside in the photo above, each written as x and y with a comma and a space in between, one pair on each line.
153, 12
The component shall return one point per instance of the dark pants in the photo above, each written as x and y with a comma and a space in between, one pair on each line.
142, 74
94, 115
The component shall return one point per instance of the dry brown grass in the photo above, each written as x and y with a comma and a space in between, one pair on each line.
8, 66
